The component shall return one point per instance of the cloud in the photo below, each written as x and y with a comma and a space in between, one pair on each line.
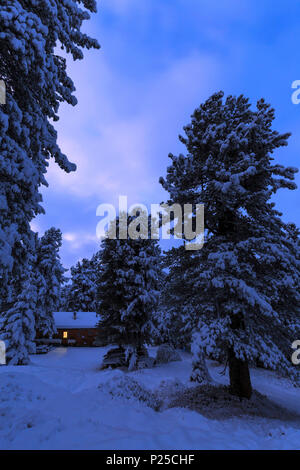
158, 62
115, 144
35, 226
77, 240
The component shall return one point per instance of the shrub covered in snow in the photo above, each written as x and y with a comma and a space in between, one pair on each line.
216, 402
166, 353
168, 390
124, 386
114, 358
120, 357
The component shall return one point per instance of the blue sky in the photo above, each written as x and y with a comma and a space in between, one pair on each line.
159, 59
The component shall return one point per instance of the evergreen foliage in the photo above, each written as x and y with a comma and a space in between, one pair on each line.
36, 82
246, 277
49, 278
128, 293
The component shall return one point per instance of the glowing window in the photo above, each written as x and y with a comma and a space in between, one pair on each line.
65, 334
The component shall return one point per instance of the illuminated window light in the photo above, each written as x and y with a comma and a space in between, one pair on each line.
65, 334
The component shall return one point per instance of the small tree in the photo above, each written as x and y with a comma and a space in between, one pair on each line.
83, 287
18, 328
248, 273
49, 277
128, 293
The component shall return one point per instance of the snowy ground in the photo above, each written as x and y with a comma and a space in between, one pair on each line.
55, 403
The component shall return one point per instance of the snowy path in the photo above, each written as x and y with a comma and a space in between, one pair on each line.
55, 404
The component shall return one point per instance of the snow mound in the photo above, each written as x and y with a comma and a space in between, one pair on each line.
168, 390
124, 386
215, 402
166, 353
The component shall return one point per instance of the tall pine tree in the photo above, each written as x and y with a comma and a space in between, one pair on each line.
128, 293
49, 278
19, 318
36, 83
247, 277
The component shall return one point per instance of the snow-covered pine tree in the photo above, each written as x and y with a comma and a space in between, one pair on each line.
49, 277
83, 287
248, 274
200, 372
36, 83
97, 271
128, 293
178, 301
65, 298
18, 330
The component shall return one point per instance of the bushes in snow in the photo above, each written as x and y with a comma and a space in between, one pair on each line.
168, 390
216, 402
119, 357
124, 386
166, 353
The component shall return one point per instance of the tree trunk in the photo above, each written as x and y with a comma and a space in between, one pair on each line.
240, 382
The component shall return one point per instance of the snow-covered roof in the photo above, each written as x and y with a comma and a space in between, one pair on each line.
83, 319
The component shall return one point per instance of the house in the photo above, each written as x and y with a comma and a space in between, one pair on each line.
77, 329
73, 329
